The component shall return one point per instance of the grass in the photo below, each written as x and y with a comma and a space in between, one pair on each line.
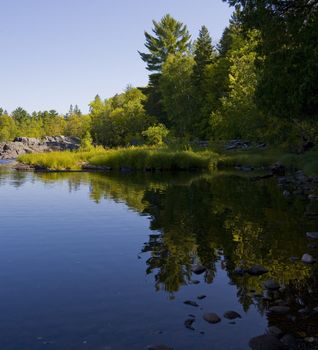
134, 158
167, 159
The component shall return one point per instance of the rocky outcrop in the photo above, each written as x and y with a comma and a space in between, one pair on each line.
23, 145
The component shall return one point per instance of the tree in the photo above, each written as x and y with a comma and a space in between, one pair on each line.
204, 55
7, 128
287, 86
156, 134
170, 37
176, 90
119, 120
20, 115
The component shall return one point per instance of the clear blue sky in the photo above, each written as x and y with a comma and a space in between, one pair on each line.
60, 52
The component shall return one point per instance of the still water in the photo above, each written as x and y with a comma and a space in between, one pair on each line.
104, 262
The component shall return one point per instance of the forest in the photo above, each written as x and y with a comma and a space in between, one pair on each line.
258, 83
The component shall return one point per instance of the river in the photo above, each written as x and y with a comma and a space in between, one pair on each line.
105, 262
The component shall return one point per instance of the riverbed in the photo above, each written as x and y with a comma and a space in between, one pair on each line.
94, 261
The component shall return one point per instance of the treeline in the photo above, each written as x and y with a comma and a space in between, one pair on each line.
259, 82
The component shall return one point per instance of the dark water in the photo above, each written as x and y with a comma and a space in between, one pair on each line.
90, 261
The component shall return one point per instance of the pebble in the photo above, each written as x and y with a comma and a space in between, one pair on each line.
271, 285
232, 315
257, 270
200, 297
198, 269
188, 323
312, 235
191, 303
211, 317
279, 310
308, 259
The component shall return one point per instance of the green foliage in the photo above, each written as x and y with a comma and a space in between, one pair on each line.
156, 134
7, 128
204, 56
289, 72
87, 142
176, 90
170, 37
120, 120
238, 115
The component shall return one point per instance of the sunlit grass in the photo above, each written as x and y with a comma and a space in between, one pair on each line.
133, 158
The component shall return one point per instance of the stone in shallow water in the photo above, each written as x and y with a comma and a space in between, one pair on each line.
257, 270
189, 322
159, 347
231, 315
198, 269
200, 297
308, 259
312, 235
274, 331
271, 285
191, 303
211, 317
266, 342
279, 310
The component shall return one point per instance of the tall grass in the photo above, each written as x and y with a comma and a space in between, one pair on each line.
134, 158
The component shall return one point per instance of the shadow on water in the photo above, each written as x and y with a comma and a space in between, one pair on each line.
218, 221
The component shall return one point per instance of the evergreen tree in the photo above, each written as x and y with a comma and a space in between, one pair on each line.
204, 55
170, 37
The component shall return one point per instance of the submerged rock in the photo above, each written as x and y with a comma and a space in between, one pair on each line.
271, 285
191, 303
275, 331
257, 270
312, 235
198, 269
308, 259
189, 322
232, 315
211, 317
200, 297
266, 342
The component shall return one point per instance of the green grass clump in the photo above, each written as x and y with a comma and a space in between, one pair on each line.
152, 159
134, 158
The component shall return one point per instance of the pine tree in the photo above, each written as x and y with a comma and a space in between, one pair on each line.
170, 37
204, 54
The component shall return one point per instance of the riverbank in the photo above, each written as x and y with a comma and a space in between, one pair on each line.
168, 159
121, 159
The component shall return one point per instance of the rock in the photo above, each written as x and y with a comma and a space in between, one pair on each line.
232, 315
266, 342
188, 323
198, 269
275, 331
23, 145
308, 259
271, 285
279, 310
239, 271
278, 169
159, 347
195, 282
289, 341
200, 297
312, 197
286, 193
257, 270
191, 303
293, 258
211, 317
312, 235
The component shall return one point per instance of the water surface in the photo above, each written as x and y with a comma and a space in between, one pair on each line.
91, 261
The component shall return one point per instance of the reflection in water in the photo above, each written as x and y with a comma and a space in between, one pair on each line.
216, 220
